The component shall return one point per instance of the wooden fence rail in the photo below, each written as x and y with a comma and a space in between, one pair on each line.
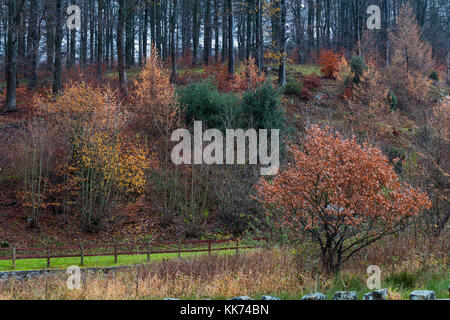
119, 249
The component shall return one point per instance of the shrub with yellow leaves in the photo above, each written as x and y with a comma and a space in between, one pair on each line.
83, 106
275, 56
96, 167
104, 172
344, 76
344, 73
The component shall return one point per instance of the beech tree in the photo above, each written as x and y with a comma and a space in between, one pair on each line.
344, 195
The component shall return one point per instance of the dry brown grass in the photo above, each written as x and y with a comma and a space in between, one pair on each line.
250, 273
285, 272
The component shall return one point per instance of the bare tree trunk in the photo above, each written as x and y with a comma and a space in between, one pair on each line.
100, 39
230, 38
249, 17
173, 19
83, 42
328, 23
22, 43
318, 23
33, 38
153, 22
57, 67
158, 26
129, 34
388, 27
207, 36
50, 33
216, 31
120, 49
91, 31
195, 33
140, 38
145, 32
165, 37
282, 43
224, 32
11, 52
258, 32
310, 25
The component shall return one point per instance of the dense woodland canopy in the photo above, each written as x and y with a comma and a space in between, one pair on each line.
33, 35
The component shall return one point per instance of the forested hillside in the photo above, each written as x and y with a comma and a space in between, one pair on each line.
94, 93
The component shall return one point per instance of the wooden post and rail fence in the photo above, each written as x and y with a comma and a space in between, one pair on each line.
116, 249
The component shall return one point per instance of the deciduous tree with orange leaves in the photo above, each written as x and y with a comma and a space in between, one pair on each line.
329, 61
249, 77
344, 195
155, 105
411, 63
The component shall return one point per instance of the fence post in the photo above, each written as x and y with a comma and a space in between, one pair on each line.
14, 258
148, 251
48, 257
237, 246
115, 252
179, 248
209, 248
82, 254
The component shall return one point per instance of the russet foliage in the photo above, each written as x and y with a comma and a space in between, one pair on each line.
249, 77
329, 62
411, 64
155, 105
369, 99
344, 195
96, 165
